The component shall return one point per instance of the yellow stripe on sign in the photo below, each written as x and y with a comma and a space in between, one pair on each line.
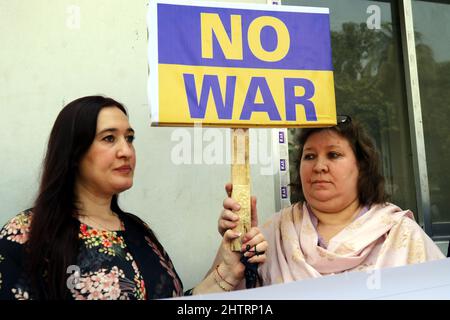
242, 97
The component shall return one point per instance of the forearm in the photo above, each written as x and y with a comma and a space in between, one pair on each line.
219, 279
217, 260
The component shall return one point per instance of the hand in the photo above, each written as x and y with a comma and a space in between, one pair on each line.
228, 218
254, 246
231, 267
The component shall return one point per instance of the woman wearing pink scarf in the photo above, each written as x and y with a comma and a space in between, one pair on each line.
343, 221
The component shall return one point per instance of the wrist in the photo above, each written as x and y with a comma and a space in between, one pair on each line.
231, 276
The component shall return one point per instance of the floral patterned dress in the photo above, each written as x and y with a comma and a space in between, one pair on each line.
111, 265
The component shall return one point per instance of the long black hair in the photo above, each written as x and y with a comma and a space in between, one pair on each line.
53, 242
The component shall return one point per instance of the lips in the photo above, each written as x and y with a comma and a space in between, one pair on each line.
320, 181
123, 169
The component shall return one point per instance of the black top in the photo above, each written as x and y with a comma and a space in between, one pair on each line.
124, 265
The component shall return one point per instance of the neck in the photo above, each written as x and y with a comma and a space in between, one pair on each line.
92, 204
337, 219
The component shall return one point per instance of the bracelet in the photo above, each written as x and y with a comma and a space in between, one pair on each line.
220, 280
219, 283
223, 279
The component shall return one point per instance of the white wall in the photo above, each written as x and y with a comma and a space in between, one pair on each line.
46, 61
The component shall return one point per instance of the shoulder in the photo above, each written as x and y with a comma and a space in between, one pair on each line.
390, 213
135, 224
406, 234
402, 221
285, 215
136, 227
388, 207
134, 220
17, 229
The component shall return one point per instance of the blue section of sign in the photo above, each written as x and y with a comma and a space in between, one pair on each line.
179, 37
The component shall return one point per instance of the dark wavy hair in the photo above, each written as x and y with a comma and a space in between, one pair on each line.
370, 184
53, 242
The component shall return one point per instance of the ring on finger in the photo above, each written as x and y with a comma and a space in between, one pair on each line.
255, 251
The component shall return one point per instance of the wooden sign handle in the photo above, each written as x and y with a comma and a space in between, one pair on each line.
240, 177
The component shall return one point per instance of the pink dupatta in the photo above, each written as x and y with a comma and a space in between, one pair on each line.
384, 236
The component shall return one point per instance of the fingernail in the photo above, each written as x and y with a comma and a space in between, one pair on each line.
237, 207
238, 234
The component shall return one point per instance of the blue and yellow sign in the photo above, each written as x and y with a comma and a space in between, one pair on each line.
240, 65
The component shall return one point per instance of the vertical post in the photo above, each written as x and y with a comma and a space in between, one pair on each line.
280, 156
240, 177
415, 115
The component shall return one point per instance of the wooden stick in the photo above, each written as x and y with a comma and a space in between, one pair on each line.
240, 177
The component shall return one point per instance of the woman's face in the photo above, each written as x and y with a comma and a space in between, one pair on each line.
107, 168
329, 172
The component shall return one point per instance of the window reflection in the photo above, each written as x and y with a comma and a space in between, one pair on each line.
369, 84
432, 34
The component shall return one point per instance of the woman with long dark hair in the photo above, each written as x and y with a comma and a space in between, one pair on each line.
76, 242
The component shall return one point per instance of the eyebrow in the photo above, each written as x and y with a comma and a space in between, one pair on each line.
113, 130
328, 147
